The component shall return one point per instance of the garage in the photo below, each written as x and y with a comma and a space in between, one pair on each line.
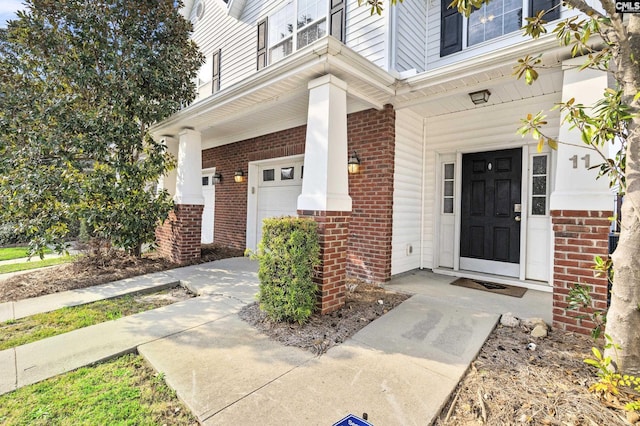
274, 187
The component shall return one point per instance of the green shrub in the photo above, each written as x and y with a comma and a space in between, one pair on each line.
288, 253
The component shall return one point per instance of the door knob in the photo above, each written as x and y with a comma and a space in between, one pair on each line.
518, 218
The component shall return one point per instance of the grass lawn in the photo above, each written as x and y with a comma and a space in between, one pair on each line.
124, 391
36, 327
9, 253
35, 264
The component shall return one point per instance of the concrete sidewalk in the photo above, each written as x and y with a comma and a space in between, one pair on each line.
400, 369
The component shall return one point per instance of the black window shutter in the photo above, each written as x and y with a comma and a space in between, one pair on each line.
337, 18
450, 29
536, 6
215, 86
262, 44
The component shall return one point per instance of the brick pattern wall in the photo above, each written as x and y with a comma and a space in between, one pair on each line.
230, 220
178, 238
579, 237
372, 134
333, 232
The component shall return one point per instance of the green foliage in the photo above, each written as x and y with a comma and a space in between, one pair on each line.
35, 264
40, 326
621, 386
579, 299
288, 253
79, 89
124, 391
9, 253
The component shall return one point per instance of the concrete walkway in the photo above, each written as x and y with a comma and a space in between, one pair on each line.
400, 369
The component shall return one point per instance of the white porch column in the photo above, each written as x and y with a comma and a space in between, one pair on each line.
189, 169
168, 181
325, 186
576, 187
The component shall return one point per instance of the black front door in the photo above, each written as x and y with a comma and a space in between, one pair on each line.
490, 214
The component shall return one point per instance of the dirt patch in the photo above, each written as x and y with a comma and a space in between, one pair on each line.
89, 271
364, 303
509, 384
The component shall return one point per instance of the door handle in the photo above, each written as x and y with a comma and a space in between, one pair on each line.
518, 218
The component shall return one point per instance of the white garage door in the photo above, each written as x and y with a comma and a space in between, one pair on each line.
279, 186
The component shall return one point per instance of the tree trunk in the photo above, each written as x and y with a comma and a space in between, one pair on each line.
623, 317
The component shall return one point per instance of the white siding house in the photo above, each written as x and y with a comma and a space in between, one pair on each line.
293, 89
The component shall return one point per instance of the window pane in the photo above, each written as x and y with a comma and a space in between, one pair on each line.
448, 205
281, 24
448, 171
448, 189
310, 10
539, 206
205, 180
540, 165
281, 50
312, 33
286, 173
493, 20
539, 185
268, 175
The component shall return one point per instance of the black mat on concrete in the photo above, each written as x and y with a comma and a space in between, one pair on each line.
508, 290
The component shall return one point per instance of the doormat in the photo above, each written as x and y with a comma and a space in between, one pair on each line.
508, 290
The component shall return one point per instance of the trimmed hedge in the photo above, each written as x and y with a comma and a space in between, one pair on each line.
288, 253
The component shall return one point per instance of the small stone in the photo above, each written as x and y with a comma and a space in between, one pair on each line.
380, 302
539, 331
633, 417
531, 346
533, 322
508, 320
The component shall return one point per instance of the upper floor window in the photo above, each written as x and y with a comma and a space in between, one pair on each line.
296, 25
492, 20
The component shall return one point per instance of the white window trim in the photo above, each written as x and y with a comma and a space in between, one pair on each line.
499, 39
296, 30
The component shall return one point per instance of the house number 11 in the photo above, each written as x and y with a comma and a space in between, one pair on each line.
574, 160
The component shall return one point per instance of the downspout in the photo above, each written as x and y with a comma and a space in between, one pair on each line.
391, 42
422, 192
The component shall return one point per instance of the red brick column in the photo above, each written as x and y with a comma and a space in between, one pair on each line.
333, 233
178, 238
580, 235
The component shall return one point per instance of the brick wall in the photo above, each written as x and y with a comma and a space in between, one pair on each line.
230, 222
579, 237
333, 232
178, 238
372, 134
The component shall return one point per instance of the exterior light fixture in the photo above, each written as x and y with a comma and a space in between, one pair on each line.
354, 164
481, 97
217, 178
238, 176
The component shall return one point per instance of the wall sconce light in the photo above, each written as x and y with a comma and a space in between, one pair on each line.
481, 97
217, 178
238, 176
354, 164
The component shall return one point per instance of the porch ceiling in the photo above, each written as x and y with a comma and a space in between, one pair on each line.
446, 90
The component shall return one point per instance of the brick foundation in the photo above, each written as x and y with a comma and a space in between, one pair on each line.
333, 231
178, 238
372, 134
579, 237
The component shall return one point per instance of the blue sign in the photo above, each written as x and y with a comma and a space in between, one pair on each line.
352, 420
